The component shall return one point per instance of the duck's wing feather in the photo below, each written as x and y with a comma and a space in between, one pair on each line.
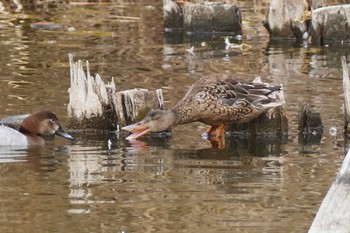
227, 90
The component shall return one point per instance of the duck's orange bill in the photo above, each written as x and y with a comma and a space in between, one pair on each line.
136, 130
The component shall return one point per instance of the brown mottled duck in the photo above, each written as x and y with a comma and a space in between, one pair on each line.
215, 100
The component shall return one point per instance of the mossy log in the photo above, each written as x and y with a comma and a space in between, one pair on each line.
331, 24
94, 105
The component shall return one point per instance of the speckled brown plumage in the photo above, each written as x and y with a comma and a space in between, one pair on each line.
219, 99
215, 100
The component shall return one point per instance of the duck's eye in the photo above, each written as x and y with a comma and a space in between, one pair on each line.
53, 120
156, 117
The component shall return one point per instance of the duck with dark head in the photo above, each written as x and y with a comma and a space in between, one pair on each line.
32, 130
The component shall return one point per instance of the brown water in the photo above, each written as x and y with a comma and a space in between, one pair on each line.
163, 184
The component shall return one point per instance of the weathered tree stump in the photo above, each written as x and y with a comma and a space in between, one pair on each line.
333, 214
94, 105
309, 121
290, 18
172, 14
331, 24
310, 128
212, 17
133, 105
273, 121
202, 17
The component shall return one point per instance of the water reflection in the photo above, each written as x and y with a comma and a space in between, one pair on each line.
176, 182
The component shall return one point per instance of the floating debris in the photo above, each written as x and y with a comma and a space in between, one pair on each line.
45, 25
333, 131
230, 45
109, 144
191, 50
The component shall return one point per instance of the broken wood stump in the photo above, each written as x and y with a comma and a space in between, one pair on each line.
309, 121
290, 19
273, 122
94, 105
310, 127
331, 24
287, 19
172, 15
133, 105
208, 17
212, 17
333, 214
300, 19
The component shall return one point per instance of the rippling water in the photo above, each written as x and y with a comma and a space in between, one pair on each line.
102, 183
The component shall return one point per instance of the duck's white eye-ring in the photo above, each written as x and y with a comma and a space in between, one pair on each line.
53, 120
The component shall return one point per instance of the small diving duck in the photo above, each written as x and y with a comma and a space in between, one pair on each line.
32, 130
216, 100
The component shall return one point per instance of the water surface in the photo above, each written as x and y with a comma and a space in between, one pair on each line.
102, 183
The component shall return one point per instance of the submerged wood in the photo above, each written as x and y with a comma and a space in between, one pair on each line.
333, 214
346, 88
94, 105
331, 24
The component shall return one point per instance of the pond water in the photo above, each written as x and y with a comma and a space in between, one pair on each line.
102, 183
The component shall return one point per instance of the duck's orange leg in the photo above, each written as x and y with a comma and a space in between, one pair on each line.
209, 131
220, 131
